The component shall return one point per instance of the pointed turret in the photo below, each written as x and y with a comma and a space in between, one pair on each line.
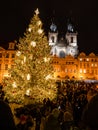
53, 34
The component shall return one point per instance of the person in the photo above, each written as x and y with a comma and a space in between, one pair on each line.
68, 121
52, 122
90, 113
6, 117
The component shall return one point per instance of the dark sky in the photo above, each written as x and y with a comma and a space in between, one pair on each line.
15, 16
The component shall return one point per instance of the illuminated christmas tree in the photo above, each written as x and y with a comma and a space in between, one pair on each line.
31, 79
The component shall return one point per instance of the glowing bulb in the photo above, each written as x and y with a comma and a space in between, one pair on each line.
28, 92
14, 85
39, 22
29, 29
18, 53
33, 43
48, 77
40, 31
24, 59
46, 59
28, 76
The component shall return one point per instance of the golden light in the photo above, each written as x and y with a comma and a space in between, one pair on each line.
29, 29
18, 53
33, 43
48, 77
40, 31
24, 58
46, 59
28, 92
14, 85
6, 75
39, 22
28, 76
37, 11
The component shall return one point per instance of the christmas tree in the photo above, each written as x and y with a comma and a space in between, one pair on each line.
31, 79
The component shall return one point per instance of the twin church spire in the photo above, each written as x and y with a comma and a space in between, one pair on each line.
69, 46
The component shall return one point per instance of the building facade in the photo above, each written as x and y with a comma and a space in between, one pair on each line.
6, 60
67, 61
81, 67
84, 67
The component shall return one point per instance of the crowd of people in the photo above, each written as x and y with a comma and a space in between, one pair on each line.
76, 108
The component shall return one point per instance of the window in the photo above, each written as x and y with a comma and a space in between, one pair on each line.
12, 66
71, 39
80, 70
52, 38
13, 55
87, 59
0, 66
7, 55
80, 59
84, 71
6, 66
0, 55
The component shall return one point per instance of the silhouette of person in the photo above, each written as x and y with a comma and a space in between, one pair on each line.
6, 117
90, 114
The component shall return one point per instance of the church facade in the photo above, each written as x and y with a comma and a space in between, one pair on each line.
63, 46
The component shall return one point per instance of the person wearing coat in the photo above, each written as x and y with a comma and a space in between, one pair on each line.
6, 117
52, 122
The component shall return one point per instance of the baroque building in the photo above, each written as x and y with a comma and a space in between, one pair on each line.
83, 67
6, 60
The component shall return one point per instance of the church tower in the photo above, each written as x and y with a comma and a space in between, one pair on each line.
53, 35
71, 37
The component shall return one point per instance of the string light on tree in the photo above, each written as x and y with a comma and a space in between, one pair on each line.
18, 53
28, 92
14, 85
46, 59
39, 23
24, 59
31, 75
40, 31
29, 29
33, 43
28, 76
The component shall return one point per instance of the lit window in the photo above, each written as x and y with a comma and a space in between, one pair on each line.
58, 70
66, 70
80, 59
95, 65
80, 70
87, 59
84, 71
92, 65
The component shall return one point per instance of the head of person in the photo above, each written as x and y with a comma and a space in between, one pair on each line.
91, 93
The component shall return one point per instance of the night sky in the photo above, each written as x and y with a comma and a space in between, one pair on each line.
15, 16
